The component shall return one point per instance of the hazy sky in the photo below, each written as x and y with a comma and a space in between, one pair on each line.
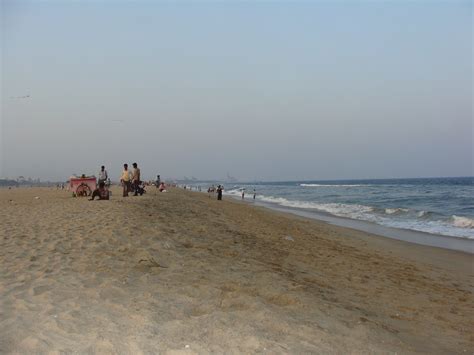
260, 90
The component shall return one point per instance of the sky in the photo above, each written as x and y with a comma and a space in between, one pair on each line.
258, 90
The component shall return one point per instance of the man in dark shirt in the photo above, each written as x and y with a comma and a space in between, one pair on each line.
136, 178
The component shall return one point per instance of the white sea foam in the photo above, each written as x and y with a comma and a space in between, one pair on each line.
337, 209
427, 226
463, 222
236, 192
422, 214
324, 185
396, 210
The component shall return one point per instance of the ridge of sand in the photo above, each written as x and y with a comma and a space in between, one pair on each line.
178, 272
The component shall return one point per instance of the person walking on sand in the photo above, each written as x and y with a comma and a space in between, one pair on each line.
102, 175
125, 180
136, 178
219, 192
243, 194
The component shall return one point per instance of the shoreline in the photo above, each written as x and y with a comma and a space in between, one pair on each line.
404, 248
179, 272
461, 244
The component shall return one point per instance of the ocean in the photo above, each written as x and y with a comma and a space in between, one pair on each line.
439, 206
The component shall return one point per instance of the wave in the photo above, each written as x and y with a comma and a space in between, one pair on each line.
337, 209
462, 222
237, 192
396, 211
423, 221
424, 214
327, 185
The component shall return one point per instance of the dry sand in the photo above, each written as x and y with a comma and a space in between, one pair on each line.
178, 272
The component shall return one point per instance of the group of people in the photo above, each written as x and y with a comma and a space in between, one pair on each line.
131, 181
254, 194
160, 185
211, 190
219, 190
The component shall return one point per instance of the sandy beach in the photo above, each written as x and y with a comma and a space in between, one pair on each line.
178, 272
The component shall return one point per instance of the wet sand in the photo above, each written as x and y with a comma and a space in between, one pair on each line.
178, 272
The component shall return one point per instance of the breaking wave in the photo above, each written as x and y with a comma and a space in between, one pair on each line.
463, 222
327, 185
396, 211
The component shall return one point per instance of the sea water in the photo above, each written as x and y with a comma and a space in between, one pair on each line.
439, 206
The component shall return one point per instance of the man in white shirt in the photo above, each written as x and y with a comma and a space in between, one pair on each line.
102, 175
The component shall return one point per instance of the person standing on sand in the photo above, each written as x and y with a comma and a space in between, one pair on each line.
136, 178
102, 175
125, 180
254, 194
219, 192
158, 181
243, 194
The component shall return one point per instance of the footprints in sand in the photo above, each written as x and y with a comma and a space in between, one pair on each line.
131, 274
236, 297
38, 290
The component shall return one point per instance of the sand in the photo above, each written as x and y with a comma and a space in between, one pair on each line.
178, 272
